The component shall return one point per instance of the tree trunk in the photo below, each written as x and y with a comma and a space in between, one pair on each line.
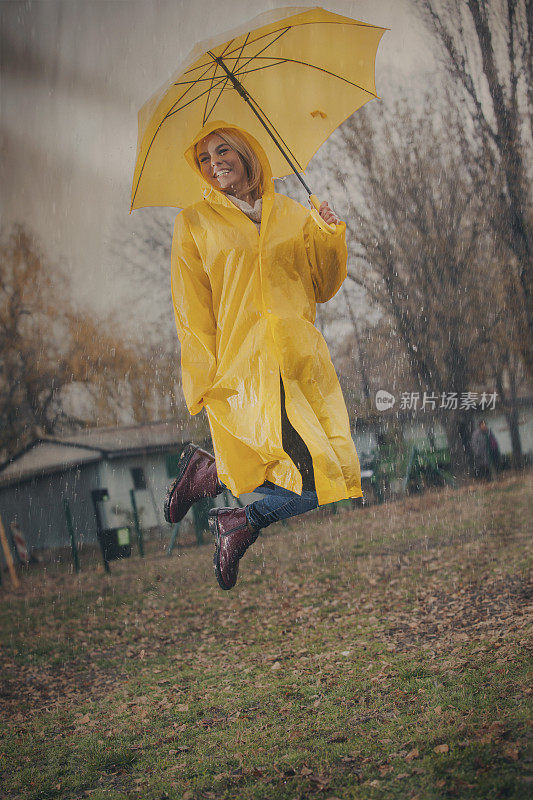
458, 428
365, 382
511, 415
514, 430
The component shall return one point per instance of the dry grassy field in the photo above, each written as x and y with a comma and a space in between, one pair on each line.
379, 653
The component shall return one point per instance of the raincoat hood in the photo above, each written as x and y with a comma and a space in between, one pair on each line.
212, 127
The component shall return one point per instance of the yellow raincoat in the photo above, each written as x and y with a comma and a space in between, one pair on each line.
245, 305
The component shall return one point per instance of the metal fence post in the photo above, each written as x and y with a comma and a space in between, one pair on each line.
138, 530
70, 528
410, 463
173, 538
8, 557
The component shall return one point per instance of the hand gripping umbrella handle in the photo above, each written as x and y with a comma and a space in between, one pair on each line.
315, 202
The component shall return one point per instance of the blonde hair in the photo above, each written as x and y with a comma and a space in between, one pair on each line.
249, 159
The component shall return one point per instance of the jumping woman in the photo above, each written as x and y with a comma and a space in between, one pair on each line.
248, 268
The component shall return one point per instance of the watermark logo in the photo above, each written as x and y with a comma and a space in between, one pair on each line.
431, 401
384, 400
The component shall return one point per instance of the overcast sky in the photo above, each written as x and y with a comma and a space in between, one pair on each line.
73, 76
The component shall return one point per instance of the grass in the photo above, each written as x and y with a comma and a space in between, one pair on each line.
380, 653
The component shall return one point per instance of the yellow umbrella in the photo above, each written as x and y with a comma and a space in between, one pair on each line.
289, 77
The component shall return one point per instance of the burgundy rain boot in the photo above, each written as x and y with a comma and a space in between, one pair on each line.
233, 536
196, 479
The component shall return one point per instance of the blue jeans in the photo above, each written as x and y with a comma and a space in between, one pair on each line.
278, 504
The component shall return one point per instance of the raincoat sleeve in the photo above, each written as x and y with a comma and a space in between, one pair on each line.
195, 320
327, 256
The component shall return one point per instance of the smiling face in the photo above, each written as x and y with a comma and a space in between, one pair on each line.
222, 166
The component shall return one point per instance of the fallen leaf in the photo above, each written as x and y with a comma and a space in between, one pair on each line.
412, 755
511, 752
256, 773
441, 748
276, 665
337, 737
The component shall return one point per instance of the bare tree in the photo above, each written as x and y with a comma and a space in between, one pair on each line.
503, 352
143, 249
423, 252
60, 367
488, 51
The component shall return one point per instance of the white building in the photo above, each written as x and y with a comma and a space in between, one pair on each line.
143, 458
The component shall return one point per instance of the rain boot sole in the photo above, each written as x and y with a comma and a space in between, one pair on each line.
183, 463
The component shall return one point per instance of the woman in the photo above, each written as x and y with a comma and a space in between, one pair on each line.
248, 267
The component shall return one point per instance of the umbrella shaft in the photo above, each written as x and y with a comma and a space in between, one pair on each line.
245, 96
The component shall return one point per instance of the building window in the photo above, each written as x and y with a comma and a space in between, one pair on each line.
173, 460
139, 481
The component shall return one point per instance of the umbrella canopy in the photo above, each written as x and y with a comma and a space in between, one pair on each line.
289, 77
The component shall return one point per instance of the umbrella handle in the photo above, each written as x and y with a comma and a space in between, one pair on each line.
315, 202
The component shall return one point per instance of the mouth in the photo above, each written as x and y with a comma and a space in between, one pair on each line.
221, 173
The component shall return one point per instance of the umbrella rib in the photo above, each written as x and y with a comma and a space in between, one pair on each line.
194, 99
242, 71
260, 69
168, 114
250, 58
191, 84
213, 76
241, 68
201, 66
354, 24
256, 108
200, 80
278, 134
258, 54
228, 44
240, 54
207, 115
311, 66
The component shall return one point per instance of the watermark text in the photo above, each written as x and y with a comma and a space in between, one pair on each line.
432, 401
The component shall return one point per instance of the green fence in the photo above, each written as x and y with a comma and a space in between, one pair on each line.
409, 469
